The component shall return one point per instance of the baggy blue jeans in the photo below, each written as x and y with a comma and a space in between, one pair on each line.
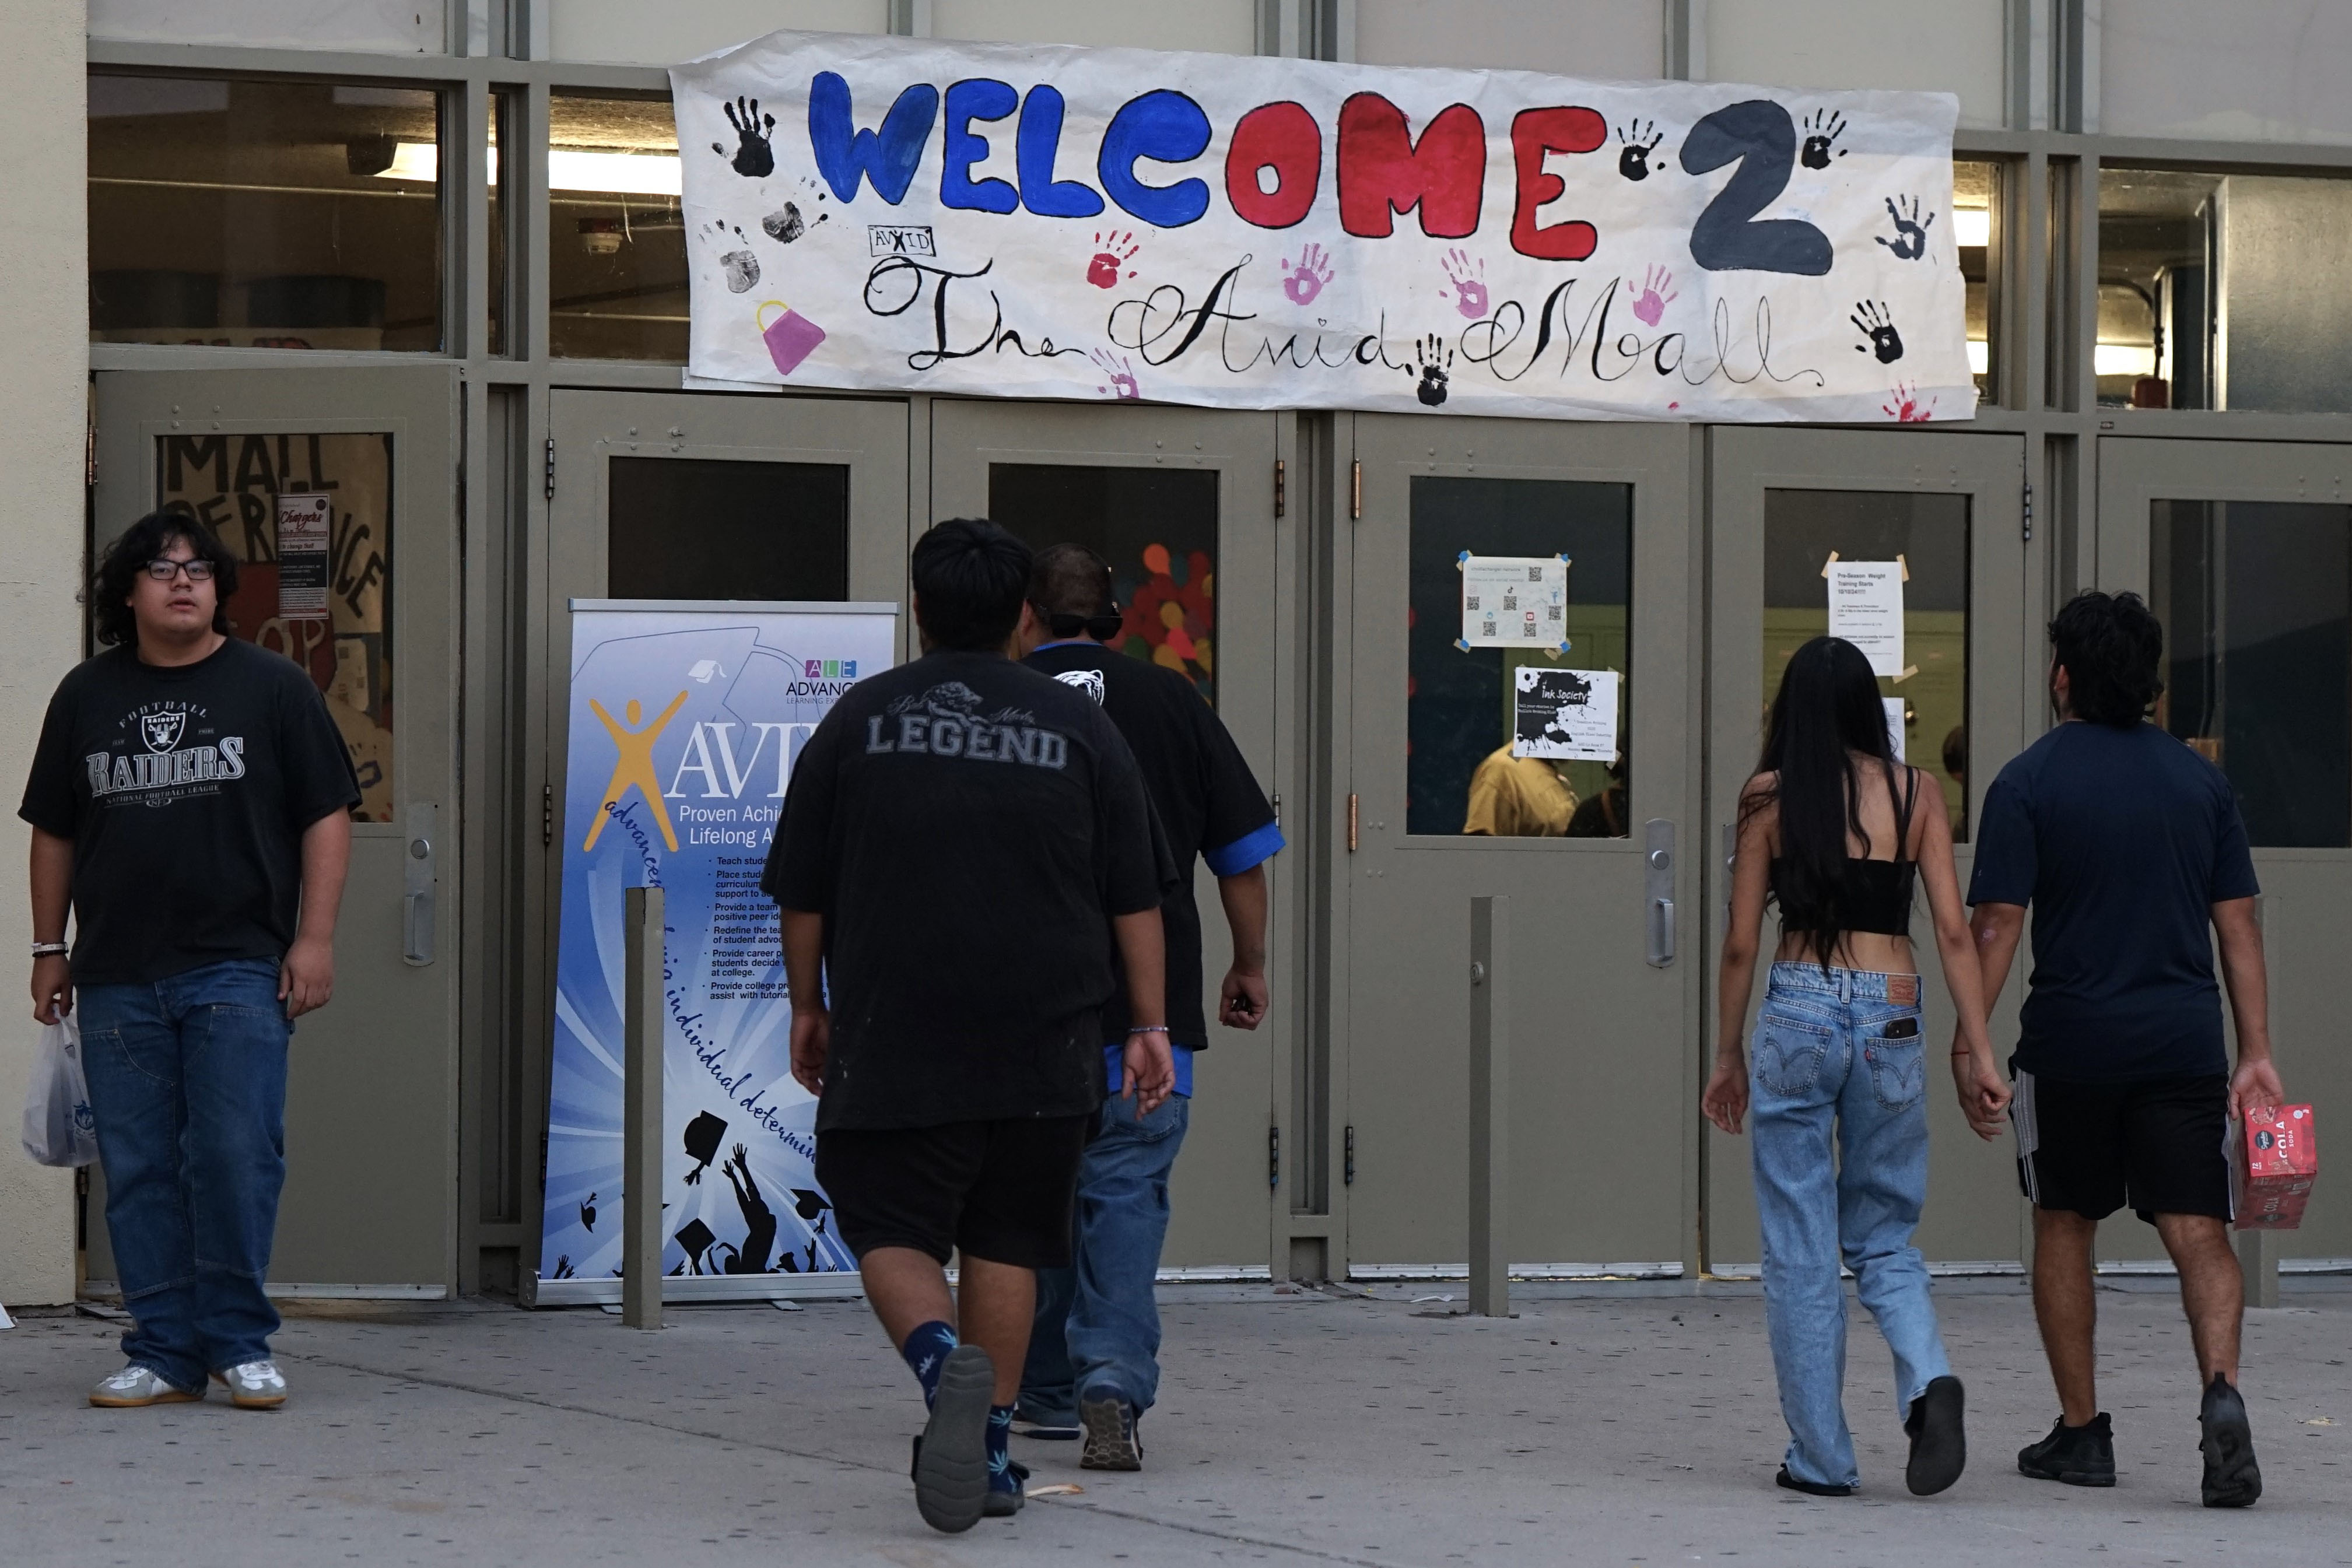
1097, 1327
187, 1079
1825, 1067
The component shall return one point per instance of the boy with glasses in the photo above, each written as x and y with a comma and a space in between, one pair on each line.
189, 801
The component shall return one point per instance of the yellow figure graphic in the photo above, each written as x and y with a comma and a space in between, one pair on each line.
634, 766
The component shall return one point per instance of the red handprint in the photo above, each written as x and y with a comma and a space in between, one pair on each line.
1121, 371
1906, 409
1103, 271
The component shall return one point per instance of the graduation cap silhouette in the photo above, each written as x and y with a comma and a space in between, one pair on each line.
696, 1238
808, 1203
702, 1137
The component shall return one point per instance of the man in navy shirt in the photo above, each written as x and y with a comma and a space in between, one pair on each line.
2127, 845
1092, 1354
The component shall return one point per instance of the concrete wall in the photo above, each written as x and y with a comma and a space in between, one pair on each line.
43, 379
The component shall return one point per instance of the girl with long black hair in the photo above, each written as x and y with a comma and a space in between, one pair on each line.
1833, 829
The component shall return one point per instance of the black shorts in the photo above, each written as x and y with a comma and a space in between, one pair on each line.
2160, 1144
997, 1190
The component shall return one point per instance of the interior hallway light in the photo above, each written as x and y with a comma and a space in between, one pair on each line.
1971, 226
567, 168
2123, 360
1980, 357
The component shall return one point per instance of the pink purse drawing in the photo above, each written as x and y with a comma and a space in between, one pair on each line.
791, 337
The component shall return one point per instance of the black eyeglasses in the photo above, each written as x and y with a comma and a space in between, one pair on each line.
164, 571
1101, 628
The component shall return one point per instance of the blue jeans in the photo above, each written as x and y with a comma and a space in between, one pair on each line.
1097, 1331
1824, 1065
187, 1079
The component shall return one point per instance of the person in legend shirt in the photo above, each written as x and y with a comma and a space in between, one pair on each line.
1093, 1363
190, 799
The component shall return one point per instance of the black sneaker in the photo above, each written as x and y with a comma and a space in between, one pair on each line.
951, 1456
1006, 1493
1111, 1440
2078, 1456
1940, 1447
1810, 1488
2232, 1479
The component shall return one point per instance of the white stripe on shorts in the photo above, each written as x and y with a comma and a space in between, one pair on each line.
2029, 1133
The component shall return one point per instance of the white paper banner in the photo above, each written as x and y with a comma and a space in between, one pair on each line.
1250, 231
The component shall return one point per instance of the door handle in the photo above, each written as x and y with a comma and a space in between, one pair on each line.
416, 886
1658, 889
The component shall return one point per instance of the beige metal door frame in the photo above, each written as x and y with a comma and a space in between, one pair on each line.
1974, 1216
370, 1200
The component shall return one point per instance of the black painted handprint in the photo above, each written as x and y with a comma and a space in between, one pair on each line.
1640, 138
754, 159
787, 224
1430, 360
1910, 241
588, 1212
1822, 127
739, 266
564, 1265
1872, 320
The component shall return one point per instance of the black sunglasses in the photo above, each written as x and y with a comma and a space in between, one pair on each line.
1101, 628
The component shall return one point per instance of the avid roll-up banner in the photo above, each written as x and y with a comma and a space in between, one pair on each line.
686, 722
1251, 232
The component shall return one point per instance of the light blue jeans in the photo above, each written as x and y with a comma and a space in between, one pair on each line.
1097, 1327
1838, 1120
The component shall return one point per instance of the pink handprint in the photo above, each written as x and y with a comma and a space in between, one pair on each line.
1121, 374
1648, 305
1906, 409
1304, 281
1469, 279
1103, 271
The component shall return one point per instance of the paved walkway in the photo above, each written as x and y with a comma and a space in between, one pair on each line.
1623, 1426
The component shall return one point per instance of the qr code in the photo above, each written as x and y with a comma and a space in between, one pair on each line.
1551, 611
1487, 629
1535, 574
1471, 604
1510, 601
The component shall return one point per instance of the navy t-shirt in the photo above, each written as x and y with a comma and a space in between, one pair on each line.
2121, 841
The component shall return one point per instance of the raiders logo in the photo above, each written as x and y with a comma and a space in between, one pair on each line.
1088, 681
162, 731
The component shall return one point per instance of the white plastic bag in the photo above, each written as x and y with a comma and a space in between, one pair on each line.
59, 1129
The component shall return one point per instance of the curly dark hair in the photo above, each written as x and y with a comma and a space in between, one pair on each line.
142, 541
2111, 646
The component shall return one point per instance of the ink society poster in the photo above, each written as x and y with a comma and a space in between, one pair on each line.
684, 724
1250, 231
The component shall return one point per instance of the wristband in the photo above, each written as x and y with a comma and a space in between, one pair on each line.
1149, 1029
50, 949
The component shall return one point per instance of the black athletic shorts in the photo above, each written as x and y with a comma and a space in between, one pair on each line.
2160, 1144
998, 1190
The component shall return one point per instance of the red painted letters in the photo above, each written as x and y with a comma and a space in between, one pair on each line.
1382, 172
1534, 132
1282, 137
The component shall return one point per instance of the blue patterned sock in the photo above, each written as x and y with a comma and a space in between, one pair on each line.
926, 1351
1000, 1449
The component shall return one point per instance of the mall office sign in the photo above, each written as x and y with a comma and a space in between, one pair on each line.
1243, 232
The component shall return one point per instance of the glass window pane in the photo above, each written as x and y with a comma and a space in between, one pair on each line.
263, 213
1461, 704
2214, 292
2256, 601
1976, 197
616, 239
1588, 38
1930, 533
698, 527
1157, 528
385, 27
632, 33
1942, 46
239, 486
2272, 72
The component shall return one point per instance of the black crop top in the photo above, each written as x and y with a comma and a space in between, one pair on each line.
1876, 897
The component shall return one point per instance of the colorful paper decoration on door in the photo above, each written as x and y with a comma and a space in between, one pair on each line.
1514, 602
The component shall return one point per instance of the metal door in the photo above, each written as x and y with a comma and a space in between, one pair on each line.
370, 1205
1952, 507
2244, 549
1603, 963
1183, 504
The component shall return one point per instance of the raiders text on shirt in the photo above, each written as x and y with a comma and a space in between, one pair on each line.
163, 773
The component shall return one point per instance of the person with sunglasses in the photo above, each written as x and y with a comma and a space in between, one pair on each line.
189, 801
1092, 1367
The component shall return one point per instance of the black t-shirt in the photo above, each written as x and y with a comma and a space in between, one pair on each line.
967, 828
1208, 804
185, 791
2121, 840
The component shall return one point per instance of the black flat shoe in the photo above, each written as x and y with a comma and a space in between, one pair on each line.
2077, 1455
2232, 1479
1810, 1488
1939, 1445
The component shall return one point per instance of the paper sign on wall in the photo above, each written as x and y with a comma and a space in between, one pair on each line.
1565, 715
1514, 600
1866, 609
1894, 707
304, 522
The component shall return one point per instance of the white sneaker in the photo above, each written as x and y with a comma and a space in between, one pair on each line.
136, 1387
254, 1386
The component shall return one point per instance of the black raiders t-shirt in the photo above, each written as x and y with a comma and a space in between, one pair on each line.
967, 828
185, 790
1209, 803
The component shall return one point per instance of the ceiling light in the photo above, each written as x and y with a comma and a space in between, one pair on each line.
1979, 356
567, 168
1971, 226
2123, 360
